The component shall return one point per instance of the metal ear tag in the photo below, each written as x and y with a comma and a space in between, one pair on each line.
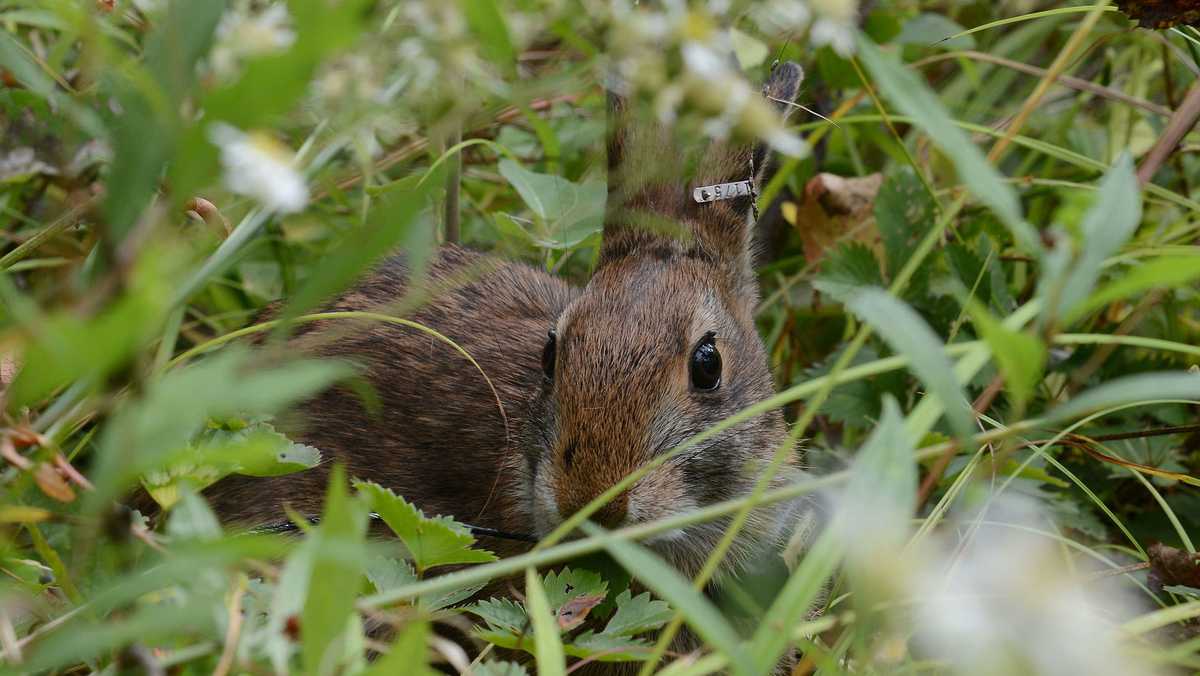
722, 191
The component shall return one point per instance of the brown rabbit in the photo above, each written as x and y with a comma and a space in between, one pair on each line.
659, 346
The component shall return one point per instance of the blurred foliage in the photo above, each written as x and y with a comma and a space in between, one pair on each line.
977, 284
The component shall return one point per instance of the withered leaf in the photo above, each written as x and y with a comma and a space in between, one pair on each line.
835, 210
1170, 567
574, 612
1161, 13
52, 483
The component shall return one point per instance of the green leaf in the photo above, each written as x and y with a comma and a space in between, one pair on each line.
1021, 356
908, 334
883, 483
193, 519
437, 541
176, 407
637, 614
667, 583
256, 450
70, 347
1160, 273
338, 555
408, 654
912, 97
487, 23
904, 213
794, 602
1110, 222
847, 270
874, 509
546, 638
750, 51
386, 573
570, 213
608, 647
394, 223
502, 614
567, 584
1175, 385
490, 668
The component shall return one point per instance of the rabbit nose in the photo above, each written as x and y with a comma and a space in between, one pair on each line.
611, 515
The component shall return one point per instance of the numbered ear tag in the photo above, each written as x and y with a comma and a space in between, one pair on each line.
722, 191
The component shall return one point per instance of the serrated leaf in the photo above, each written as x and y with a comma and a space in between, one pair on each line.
904, 213
436, 541
193, 519
566, 584
637, 614
147, 433
386, 573
665, 581
849, 269
254, 450
607, 647
501, 614
438, 601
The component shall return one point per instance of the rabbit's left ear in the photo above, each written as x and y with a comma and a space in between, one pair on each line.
729, 177
656, 202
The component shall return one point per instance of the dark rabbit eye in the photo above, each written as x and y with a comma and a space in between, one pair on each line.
706, 364
548, 355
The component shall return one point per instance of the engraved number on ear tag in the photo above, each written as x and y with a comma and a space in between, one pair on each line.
721, 191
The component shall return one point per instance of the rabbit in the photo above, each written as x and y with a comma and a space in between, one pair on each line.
589, 384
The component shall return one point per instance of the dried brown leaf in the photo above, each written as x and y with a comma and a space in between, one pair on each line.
52, 483
574, 612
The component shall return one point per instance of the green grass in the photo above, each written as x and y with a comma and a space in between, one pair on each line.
992, 370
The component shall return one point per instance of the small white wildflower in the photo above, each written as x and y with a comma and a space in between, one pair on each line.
835, 24
1004, 602
242, 33
837, 35
782, 15
258, 166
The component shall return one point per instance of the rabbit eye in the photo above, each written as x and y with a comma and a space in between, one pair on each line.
548, 354
706, 364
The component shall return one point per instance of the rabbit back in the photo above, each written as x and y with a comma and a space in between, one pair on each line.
436, 433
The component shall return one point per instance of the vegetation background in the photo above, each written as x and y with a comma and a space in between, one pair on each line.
980, 302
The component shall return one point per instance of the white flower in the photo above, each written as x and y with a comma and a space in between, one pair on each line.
242, 33
1005, 602
839, 36
835, 24
258, 166
782, 15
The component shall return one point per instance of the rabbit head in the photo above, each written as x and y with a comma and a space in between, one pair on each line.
660, 346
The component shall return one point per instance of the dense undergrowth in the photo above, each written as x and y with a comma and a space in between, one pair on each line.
979, 299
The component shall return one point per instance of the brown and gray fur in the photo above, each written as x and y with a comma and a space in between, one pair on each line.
670, 271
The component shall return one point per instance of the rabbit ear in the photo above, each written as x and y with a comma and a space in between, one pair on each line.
665, 198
